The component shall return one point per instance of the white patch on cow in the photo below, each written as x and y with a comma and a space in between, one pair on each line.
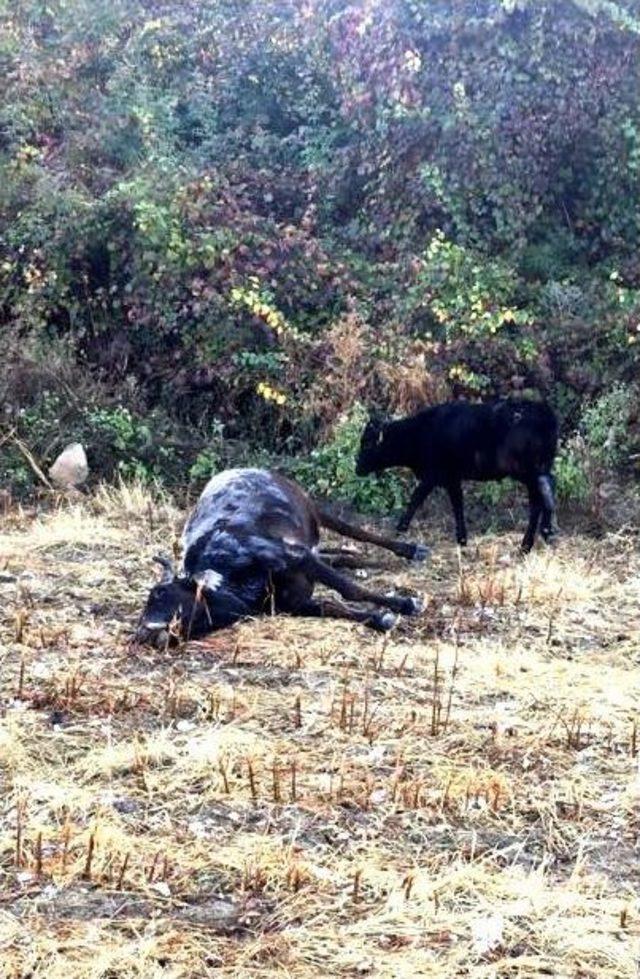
294, 549
209, 579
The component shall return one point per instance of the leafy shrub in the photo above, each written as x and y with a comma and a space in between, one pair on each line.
329, 470
495, 494
211, 458
461, 294
599, 449
60, 403
368, 211
562, 299
571, 471
550, 258
134, 447
605, 425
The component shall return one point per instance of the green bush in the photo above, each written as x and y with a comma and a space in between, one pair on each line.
134, 447
606, 429
330, 471
387, 205
462, 294
497, 493
571, 471
116, 442
211, 458
600, 447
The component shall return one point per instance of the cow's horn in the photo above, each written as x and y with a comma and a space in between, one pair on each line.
167, 566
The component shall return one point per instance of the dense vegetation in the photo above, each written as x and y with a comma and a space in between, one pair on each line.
228, 226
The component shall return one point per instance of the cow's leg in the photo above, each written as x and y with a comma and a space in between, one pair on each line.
535, 508
419, 495
331, 608
454, 489
414, 552
546, 488
338, 558
352, 591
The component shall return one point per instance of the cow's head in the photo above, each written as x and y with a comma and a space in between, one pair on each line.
370, 456
188, 607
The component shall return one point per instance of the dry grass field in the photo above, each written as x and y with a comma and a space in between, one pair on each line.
298, 798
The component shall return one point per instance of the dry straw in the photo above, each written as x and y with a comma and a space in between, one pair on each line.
295, 796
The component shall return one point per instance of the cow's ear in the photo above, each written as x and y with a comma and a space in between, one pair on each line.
168, 571
378, 420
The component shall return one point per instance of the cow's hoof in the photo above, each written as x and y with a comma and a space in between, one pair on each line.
384, 622
420, 553
415, 606
408, 605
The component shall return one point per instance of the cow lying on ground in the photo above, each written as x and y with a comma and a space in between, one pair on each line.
450, 443
251, 546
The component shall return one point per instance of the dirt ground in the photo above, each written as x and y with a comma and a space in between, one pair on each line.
297, 798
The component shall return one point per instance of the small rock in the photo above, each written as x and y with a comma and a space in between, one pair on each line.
364, 967
71, 468
125, 805
376, 754
161, 887
16, 704
198, 828
487, 933
378, 796
185, 725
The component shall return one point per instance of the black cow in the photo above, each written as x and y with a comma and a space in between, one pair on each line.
251, 545
449, 443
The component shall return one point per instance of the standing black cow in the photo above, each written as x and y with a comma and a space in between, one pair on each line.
250, 545
452, 442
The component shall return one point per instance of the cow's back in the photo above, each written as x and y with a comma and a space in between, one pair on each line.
489, 440
244, 517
